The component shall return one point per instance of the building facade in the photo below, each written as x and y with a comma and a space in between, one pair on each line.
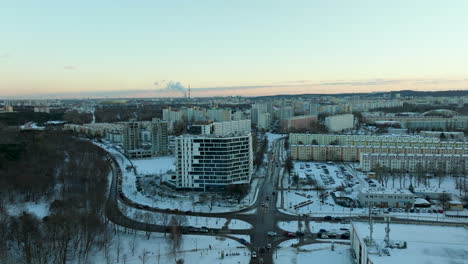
213, 162
353, 153
339, 123
447, 163
159, 137
383, 197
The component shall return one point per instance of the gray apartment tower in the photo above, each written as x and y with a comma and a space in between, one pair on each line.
159, 140
131, 135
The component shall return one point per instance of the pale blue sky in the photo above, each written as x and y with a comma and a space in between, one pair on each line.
63, 46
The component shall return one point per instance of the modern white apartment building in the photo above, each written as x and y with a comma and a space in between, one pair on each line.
339, 123
209, 162
384, 197
447, 163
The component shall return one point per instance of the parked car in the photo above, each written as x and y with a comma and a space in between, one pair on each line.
272, 233
324, 236
327, 218
344, 236
289, 234
243, 241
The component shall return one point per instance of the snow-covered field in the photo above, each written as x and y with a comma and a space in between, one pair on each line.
187, 220
158, 249
39, 209
319, 253
156, 165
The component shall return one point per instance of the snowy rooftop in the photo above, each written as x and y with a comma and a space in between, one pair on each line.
385, 191
425, 244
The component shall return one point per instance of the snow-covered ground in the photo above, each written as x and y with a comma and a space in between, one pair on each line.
187, 220
158, 249
329, 207
39, 209
158, 165
272, 137
320, 252
326, 175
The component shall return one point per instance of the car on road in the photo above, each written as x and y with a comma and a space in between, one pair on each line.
192, 229
260, 261
323, 236
269, 246
272, 233
289, 234
203, 229
327, 218
254, 254
300, 234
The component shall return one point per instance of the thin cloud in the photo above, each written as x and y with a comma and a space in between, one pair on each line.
363, 83
69, 67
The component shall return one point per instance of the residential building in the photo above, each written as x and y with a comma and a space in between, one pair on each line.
209, 162
159, 137
445, 163
353, 153
264, 121
231, 127
298, 122
339, 123
131, 135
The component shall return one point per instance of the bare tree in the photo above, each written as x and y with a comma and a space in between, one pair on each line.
444, 198
175, 236
144, 256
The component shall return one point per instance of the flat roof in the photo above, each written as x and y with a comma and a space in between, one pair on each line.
425, 244
385, 191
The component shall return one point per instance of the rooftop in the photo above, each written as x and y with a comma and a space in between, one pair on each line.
425, 244
385, 191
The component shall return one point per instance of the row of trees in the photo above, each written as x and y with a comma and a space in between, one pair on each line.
421, 177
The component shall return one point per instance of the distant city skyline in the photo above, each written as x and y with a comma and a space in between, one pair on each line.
98, 49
